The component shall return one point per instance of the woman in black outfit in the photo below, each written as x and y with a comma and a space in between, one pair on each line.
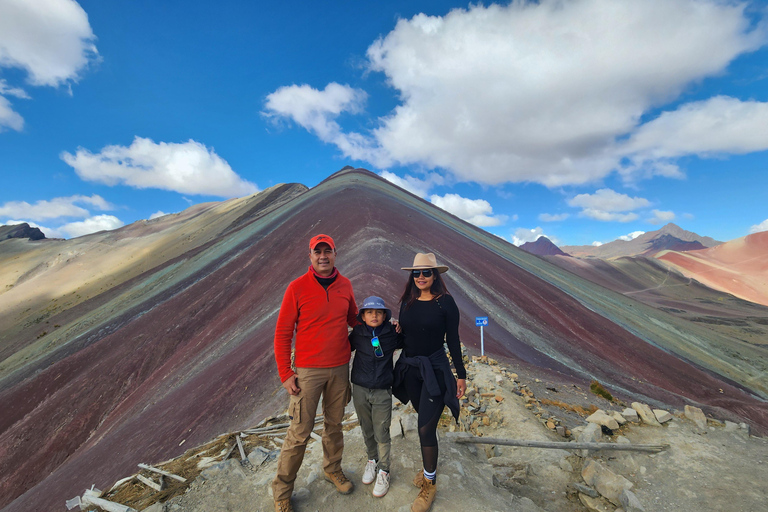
428, 318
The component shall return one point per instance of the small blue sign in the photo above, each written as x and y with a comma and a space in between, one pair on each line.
481, 321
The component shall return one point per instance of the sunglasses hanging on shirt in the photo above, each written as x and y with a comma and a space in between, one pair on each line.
377, 347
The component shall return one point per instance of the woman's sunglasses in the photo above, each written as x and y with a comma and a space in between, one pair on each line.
427, 272
377, 347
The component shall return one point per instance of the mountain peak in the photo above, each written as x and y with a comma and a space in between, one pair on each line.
543, 246
22, 230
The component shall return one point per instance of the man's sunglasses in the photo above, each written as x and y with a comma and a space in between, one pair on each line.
377, 347
427, 272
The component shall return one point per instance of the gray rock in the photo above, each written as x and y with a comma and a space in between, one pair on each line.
595, 504
584, 489
630, 502
621, 420
600, 417
646, 414
502, 461
662, 416
395, 428
696, 415
258, 456
591, 434
409, 422
608, 484
630, 415
157, 507
231, 466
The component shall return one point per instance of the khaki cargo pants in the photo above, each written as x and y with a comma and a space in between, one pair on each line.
333, 385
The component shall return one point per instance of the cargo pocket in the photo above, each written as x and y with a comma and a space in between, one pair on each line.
348, 395
294, 409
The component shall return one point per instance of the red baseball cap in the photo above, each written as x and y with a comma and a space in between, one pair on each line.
321, 239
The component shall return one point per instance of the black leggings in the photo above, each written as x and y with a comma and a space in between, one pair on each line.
429, 408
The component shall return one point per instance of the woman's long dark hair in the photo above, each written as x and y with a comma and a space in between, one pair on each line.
412, 292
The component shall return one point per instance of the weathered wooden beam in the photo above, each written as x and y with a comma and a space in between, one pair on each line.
240, 447
149, 483
161, 472
229, 452
274, 427
562, 445
109, 506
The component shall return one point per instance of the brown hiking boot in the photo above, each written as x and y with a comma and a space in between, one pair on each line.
418, 479
342, 483
283, 505
426, 497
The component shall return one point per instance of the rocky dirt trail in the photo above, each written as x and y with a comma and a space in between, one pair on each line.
715, 468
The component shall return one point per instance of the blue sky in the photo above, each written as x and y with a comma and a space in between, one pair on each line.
582, 120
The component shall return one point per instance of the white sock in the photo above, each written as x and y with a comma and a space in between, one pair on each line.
430, 476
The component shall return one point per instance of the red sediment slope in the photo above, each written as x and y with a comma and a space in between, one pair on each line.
738, 267
182, 353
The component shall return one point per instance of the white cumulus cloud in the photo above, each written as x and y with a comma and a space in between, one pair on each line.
661, 217
523, 235
631, 236
549, 217
717, 125
316, 111
475, 211
608, 205
414, 185
188, 168
50, 40
91, 225
763, 226
551, 92
54, 208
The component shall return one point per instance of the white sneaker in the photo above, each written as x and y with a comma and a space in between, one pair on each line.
382, 484
369, 474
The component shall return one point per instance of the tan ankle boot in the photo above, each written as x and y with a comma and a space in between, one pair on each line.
418, 479
426, 497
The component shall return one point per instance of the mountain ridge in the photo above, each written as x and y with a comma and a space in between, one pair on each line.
182, 350
643, 244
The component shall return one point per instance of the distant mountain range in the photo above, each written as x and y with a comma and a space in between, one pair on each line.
669, 237
131, 345
738, 267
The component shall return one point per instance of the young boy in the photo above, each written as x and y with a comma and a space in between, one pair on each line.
374, 342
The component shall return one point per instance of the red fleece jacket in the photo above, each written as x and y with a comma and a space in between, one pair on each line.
320, 318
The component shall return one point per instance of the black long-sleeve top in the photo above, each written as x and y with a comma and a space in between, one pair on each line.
427, 324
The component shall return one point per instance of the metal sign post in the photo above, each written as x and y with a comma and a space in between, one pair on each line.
481, 321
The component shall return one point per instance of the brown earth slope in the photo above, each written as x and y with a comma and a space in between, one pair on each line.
180, 351
738, 267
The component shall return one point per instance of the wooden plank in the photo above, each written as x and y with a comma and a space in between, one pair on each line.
560, 445
274, 427
240, 447
149, 483
161, 472
229, 452
109, 506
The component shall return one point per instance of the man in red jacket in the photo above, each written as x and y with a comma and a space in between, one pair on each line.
318, 306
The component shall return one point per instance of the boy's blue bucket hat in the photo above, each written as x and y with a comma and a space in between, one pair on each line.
373, 302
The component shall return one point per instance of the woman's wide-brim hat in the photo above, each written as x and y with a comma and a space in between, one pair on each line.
421, 261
